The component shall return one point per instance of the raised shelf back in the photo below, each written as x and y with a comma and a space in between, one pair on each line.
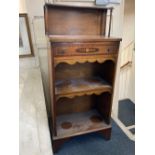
70, 20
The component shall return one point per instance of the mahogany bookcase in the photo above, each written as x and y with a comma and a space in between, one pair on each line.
82, 64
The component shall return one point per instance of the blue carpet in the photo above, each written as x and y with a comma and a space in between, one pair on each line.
126, 112
95, 144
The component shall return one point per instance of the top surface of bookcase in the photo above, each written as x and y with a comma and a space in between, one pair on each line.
75, 20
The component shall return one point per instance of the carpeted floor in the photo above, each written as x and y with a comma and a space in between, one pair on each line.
126, 112
94, 144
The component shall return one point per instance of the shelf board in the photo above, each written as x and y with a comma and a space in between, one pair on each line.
79, 123
83, 38
78, 87
79, 6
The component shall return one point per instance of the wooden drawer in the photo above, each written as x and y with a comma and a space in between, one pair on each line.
81, 49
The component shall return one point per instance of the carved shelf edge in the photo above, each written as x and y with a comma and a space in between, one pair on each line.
77, 94
74, 60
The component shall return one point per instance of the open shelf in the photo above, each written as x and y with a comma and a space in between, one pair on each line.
83, 79
81, 86
73, 124
82, 114
83, 97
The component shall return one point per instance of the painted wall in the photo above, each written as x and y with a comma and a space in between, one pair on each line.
127, 75
125, 83
128, 23
22, 6
31, 61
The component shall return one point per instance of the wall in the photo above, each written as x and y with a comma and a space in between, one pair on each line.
34, 9
125, 80
31, 61
35, 13
128, 23
22, 6
127, 74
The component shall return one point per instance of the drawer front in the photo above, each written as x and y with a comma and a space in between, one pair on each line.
81, 49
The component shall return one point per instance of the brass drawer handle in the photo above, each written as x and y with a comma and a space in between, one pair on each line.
87, 50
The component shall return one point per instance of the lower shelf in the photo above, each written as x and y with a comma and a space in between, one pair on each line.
79, 87
79, 123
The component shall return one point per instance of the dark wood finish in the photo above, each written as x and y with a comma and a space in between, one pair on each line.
108, 71
82, 86
56, 144
29, 36
81, 123
95, 7
81, 79
106, 133
103, 106
52, 89
71, 20
82, 71
78, 49
75, 105
83, 38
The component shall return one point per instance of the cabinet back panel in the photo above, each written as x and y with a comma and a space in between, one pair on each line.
85, 70
61, 20
107, 71
76, 104
103, 105
65, 71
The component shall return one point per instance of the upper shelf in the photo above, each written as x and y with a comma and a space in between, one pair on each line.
78, 87
83, 38
77, 6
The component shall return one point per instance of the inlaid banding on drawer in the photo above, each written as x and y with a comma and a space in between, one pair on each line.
87, 50
84, 49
